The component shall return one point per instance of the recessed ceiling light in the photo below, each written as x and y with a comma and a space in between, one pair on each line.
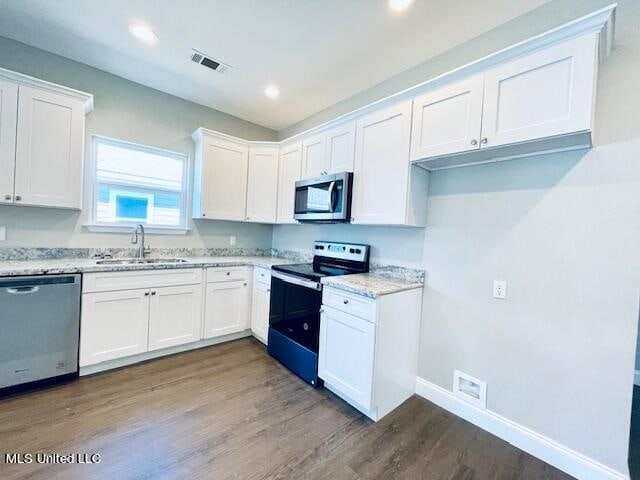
143, 33
271, 91
399, 5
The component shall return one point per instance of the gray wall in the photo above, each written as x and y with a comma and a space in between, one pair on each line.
129, 111
563, 230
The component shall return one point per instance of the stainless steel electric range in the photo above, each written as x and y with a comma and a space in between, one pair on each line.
296, 298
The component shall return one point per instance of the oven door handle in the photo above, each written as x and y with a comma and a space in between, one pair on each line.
297, 281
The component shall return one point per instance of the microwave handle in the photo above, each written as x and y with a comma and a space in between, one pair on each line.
332, 197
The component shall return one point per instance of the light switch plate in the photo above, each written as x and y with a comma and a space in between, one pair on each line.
3, 234
500, 289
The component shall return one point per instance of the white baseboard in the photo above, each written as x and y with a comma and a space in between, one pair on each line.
546, 449
636, 378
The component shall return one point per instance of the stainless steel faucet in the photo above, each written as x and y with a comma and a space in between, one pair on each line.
139, 240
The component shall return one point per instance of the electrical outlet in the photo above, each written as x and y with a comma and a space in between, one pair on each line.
3, 234
500, 289
232, 240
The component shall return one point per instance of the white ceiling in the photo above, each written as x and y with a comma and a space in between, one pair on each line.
317, 52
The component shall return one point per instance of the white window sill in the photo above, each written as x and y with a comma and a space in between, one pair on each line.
92, 227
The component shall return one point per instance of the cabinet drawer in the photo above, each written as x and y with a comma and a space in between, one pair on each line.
350, 303
226, 274
262, 275
112, 281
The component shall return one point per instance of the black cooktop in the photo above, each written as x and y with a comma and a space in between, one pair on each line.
311, 272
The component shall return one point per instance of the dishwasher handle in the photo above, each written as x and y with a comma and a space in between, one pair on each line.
22, 290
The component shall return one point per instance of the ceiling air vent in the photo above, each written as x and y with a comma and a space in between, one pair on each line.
203, 59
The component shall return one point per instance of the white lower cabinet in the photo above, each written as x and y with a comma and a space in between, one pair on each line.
368, 350
119, 321
227, 304
114, 325
175, 316
260, 304
346, 354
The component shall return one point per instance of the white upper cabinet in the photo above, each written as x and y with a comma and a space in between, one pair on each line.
289, 173
41, 142
220, 187
8, 124
339, 148
544, 94
262, 185
313, 156
49, 149
543, 101
331, 151
447, 120
382, 190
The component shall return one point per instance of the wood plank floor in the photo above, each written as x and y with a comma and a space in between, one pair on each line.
231, 412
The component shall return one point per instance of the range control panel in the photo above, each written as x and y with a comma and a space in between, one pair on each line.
345, 251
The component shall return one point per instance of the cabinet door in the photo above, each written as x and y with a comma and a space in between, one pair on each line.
313, 157
381, 169
541, 95
447, 120
340, 148
260, 311
289, 173
175, 316
262, 185
49, 146
8, 123
224, 180
113, 325
226, 308
346, 354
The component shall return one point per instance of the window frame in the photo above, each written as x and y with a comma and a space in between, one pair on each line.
118, 227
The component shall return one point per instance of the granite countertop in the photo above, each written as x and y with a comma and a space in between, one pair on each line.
382, 280
370, 284
87, 265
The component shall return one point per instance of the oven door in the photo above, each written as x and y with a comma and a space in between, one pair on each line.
324, 199
295, 308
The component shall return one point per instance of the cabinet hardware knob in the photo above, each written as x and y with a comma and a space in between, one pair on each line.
7, 197
474, 142
228, 273
247, 218
268, 289
18, 198
153, 293
484, 140
146, 294
345, 301
204, 214
322, 310
245, 284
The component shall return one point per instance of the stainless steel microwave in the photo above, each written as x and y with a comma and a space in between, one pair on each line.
325, 199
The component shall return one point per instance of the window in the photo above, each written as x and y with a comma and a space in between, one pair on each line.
138, 184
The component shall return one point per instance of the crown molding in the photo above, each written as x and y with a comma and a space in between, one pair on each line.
34, 82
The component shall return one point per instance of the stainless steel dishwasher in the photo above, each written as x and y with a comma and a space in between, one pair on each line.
39, 329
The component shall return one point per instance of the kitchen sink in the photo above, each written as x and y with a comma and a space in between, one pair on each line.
140, 261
